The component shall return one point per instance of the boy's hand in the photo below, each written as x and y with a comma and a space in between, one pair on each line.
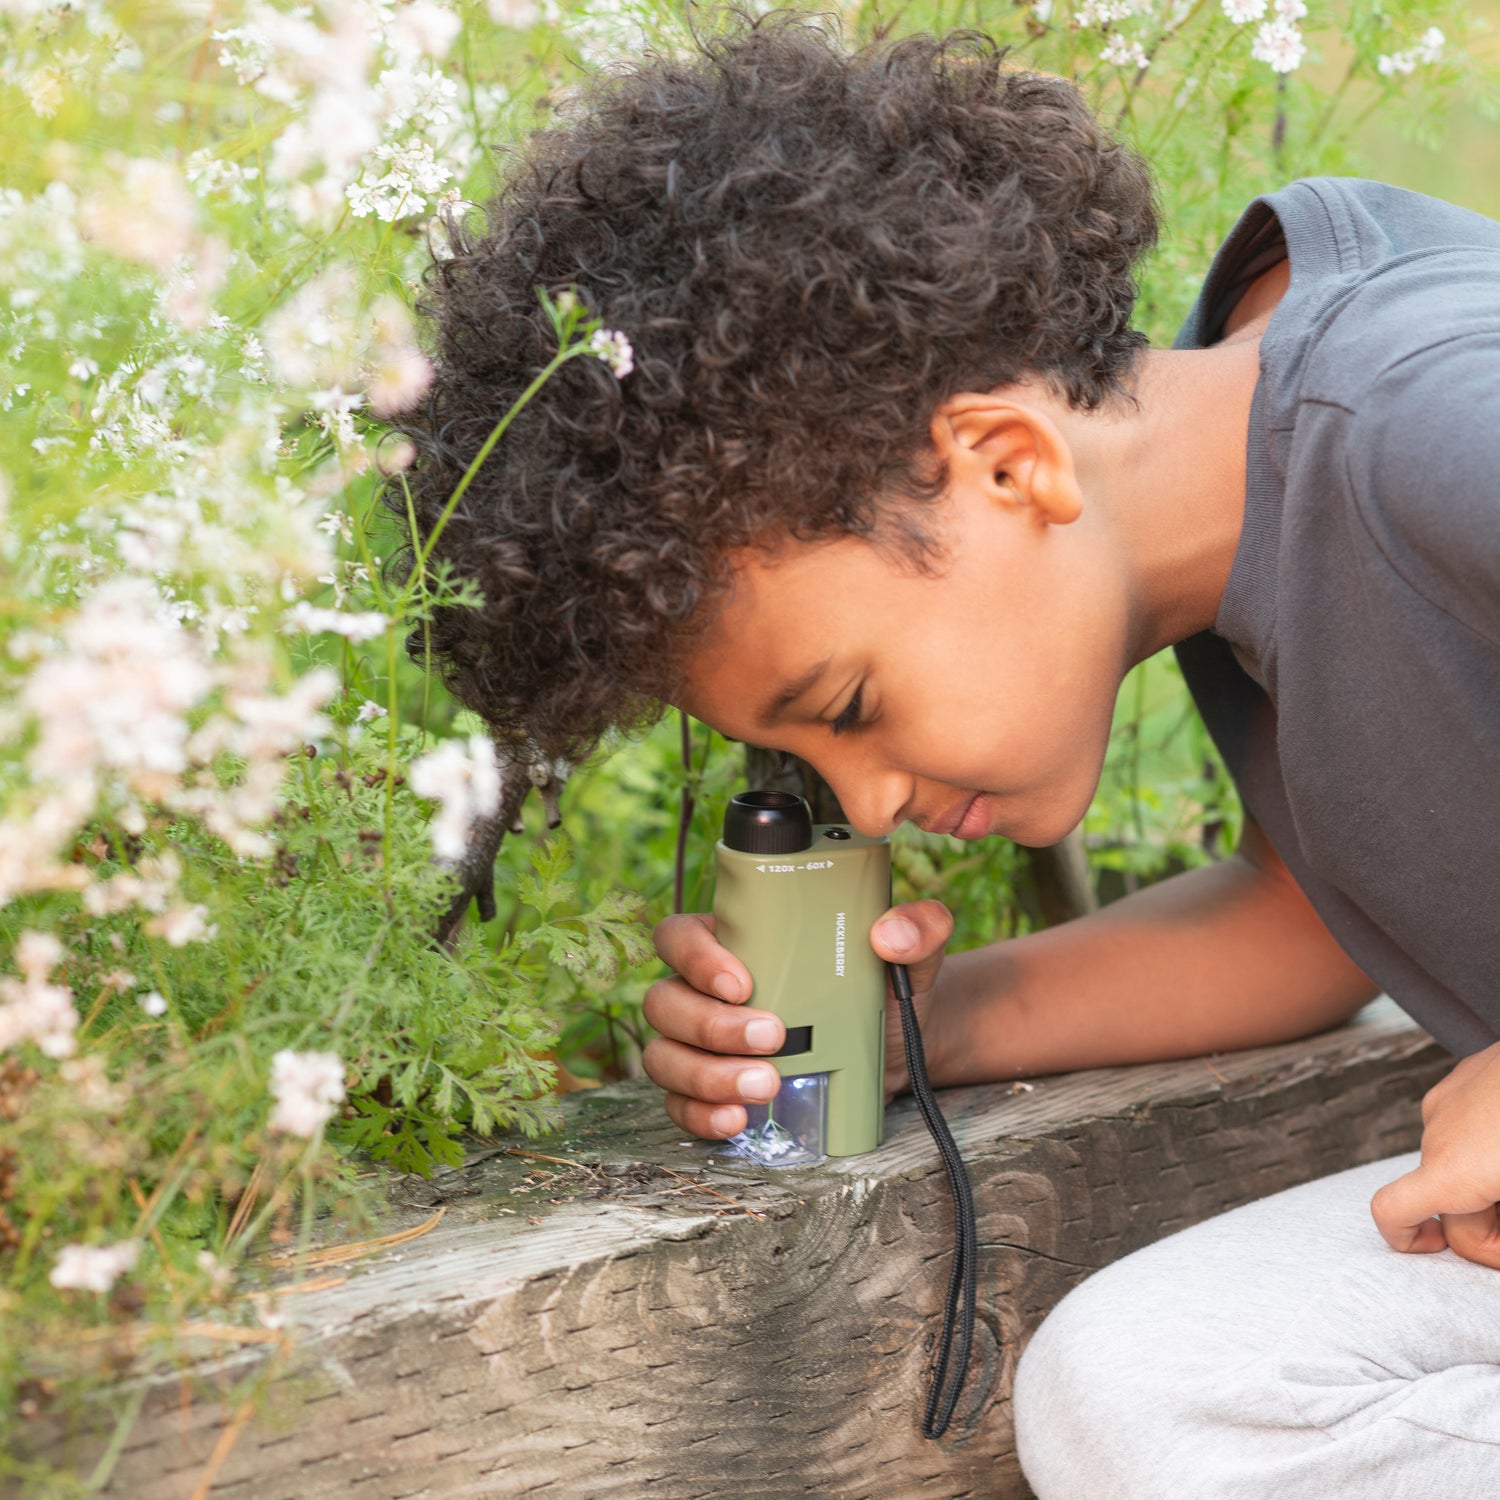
1459, 1178
710, 1056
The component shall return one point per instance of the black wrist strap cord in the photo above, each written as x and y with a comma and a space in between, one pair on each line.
948, 1372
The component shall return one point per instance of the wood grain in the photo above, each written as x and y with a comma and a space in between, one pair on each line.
644, 1337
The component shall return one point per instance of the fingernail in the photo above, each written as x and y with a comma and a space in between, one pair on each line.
725, 1121
759, 1083
727, 987
897, 934
763, 1035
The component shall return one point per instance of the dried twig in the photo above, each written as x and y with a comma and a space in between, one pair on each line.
292, 1288
231, 1434
703, 1187
542, 1156
338, 1255
246, 1205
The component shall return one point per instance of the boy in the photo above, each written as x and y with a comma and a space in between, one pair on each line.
895, 488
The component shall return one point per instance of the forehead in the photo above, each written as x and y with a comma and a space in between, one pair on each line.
790, 606
786, 589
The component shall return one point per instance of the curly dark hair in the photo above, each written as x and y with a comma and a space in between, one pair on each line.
810, 249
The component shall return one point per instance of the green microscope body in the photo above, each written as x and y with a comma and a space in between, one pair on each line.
794, 901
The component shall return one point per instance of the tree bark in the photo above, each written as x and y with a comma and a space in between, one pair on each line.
1060, 877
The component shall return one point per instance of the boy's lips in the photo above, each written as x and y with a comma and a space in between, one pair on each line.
974, 823
966, 820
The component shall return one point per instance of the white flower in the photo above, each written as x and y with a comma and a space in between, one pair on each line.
1429, 50
399, 380
465, 784
310, 340
181, 925
93, 1268
88, 1082
337, 523
272, 724
154, 1003
1124, 54
614, 349
518, 14
44, 92
308, 1087
30, 840
1242, 12
1280, 44
412, 172
369, 710
336, 408
187, 298
1290, 10
246, 52
34, 1009
1104, 13
353, 627
425, 29
144, 213
150, 887
416, 97
116, 693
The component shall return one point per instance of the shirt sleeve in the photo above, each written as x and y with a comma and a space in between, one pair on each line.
1424, 458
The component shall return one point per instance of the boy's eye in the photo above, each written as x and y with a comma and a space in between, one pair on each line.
849, 718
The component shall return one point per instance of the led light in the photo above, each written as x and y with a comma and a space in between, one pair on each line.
790, 1130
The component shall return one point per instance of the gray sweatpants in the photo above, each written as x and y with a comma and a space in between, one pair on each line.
1279, 1352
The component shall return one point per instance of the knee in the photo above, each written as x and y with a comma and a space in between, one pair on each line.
1071, 1400
1135, 1376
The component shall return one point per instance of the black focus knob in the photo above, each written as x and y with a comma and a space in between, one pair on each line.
768, 822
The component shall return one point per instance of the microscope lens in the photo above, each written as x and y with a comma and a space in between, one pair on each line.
789, 1131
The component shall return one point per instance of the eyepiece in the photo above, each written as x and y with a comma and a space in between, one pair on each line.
768, 822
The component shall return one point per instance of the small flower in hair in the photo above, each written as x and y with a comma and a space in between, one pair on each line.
614, 349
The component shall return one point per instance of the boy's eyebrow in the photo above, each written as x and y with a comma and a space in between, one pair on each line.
771, 712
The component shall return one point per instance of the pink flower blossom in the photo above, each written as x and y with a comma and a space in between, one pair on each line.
307, 1087
93, 1268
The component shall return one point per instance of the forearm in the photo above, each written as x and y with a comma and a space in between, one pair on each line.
1212, 960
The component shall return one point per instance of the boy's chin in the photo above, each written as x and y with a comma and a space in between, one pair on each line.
1037, 827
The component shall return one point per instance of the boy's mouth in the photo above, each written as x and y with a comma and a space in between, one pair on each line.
975, 820
967, 819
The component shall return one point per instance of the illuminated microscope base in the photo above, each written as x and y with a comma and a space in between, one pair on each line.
791, 1130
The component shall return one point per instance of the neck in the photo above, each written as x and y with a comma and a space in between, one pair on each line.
1172, 474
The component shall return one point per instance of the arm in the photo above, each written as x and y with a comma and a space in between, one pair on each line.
1219, 958
1229, 956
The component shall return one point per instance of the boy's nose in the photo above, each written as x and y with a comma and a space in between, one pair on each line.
873, 802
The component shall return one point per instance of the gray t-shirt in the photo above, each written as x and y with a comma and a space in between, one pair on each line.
1352, 676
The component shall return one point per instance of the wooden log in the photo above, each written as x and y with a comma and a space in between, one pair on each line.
649, 1320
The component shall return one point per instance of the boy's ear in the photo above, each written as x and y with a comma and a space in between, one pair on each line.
1010, 450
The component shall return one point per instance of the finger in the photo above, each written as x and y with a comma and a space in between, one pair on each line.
679, 1011
1404, 1212
1475, 1236
914, 934
686, 943
713, 1122
703, 1075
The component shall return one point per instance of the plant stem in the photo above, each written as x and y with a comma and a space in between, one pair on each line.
685, 812
552, 366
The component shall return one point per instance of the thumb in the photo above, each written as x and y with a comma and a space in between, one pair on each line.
914, 934
1404, 1213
